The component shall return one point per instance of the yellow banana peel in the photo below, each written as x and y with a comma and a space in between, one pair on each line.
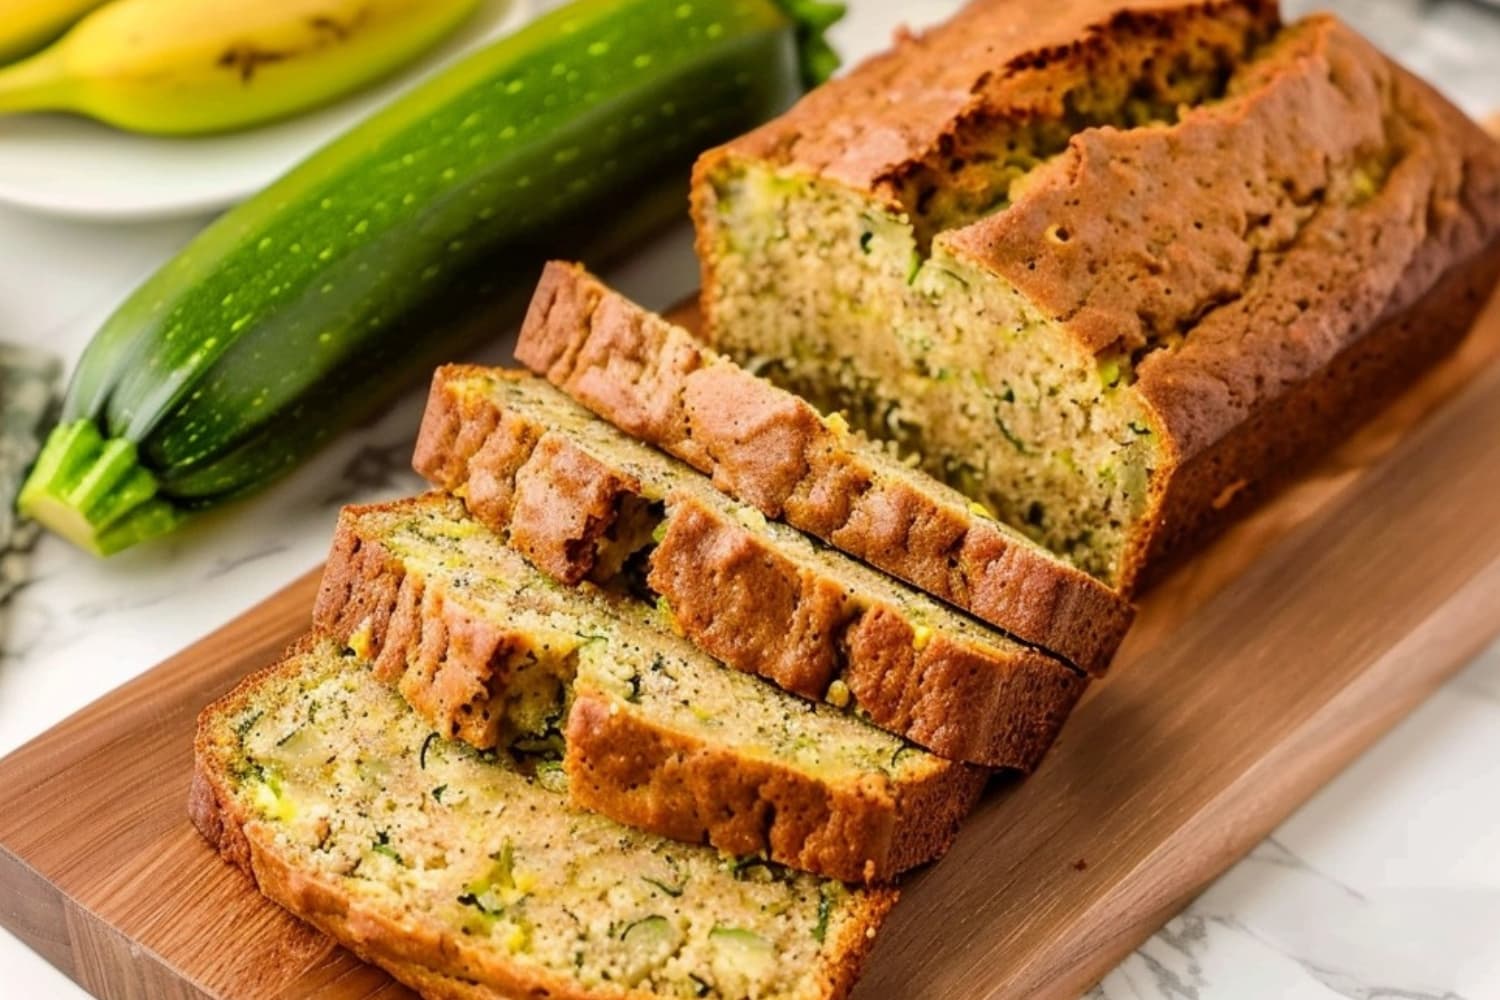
178, 67
27, 25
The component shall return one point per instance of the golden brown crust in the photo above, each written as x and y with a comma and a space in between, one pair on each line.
1230, 477
1235, 255
437, 962
758, 610
917, 102
772, 449
566, 503
449, 660
449, 664
648, 776
900, 115
1263, 321
1278, 259
738, 594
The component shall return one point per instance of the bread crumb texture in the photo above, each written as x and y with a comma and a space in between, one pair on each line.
422, 852
756, 594
651, 731
776, 452
1056, 253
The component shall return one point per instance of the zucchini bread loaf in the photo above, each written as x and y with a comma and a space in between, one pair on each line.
1108, 267
651, 732
569, 489
771, 448
465, 877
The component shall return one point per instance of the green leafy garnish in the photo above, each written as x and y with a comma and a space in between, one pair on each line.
813, 18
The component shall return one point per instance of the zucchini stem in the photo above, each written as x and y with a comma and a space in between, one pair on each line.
812, 18
94, 492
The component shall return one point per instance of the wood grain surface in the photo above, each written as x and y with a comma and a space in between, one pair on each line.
1255, 672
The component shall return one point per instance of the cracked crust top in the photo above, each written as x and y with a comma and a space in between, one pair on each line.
1229, 254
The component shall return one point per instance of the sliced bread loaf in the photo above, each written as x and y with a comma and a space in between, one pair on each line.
772, 449
652, 732
1111, 269
756, 594
465, 877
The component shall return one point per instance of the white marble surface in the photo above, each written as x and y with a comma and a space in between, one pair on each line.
1385, 885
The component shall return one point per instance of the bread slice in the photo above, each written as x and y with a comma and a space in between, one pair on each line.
466, 877
771, 448
652, 733
1111, 269
760, 596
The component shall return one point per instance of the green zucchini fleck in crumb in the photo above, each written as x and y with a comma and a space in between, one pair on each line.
741, 868
470, 899
246, 724
825, 909
1011, 436
671, 890
422, 756
382, 845
645, 928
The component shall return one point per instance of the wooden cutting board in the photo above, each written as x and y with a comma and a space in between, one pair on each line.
1254, 673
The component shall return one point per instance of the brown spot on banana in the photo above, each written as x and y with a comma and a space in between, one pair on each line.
246, 58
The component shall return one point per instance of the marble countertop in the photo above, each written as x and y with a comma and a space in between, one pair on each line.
1384, 885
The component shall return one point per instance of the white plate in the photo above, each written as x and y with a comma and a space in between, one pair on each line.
70, 166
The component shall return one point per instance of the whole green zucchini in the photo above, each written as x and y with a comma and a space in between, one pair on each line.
394, 246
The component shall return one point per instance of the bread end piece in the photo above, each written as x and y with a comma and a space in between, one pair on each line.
412, 937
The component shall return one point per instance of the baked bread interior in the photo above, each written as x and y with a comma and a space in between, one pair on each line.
466, 877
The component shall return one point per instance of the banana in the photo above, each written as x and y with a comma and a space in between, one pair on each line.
27, 25
179, 67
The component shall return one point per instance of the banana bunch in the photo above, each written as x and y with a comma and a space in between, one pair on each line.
177, 67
